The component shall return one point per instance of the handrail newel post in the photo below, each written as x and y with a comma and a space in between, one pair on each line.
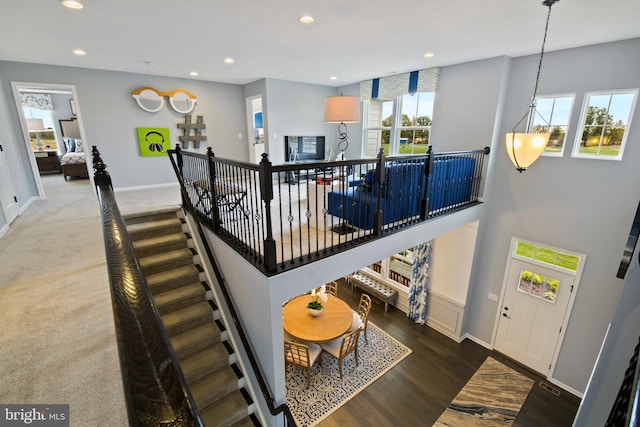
379, 179
266, 190
428, 167
100, 176
212, 185
180, 162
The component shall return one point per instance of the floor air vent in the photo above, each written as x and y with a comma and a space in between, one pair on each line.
550, 388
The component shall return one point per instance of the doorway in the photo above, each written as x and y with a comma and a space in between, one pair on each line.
255, 128
539, 288
65, 107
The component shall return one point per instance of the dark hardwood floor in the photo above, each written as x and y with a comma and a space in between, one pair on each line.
418, 389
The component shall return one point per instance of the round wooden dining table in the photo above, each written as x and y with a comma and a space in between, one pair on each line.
333, 322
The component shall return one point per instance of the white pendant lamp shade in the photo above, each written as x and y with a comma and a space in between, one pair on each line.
525, 148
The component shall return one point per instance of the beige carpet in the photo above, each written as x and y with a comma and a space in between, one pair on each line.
58, 341
492, 397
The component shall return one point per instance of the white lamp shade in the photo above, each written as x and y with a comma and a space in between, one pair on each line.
525, 148
35, 124
342, 109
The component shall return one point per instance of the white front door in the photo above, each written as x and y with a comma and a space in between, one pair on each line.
533, 310
8, 200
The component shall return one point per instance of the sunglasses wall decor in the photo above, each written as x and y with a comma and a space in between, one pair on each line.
152, 100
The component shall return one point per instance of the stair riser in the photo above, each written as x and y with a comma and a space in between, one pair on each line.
150, 218
142, 252
166, 265
206, 369
169, 284
181, 303
197, 346
154, 232
213, 395
187, 324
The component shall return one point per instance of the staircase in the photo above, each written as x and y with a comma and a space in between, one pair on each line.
190, 316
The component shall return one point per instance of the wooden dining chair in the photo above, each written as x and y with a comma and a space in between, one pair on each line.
342, 347
301, 355
361, 316
332, 288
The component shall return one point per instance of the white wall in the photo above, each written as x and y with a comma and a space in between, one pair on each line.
111, 116
451, 263
581, 205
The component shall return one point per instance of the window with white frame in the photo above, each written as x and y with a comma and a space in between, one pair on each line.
603, 123
397, 112
399, 126
552, 116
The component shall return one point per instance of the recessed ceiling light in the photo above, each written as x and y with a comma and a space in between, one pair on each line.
333, 78
429, 55
194, 73
229, 60
306, 19
79, 52
72, 4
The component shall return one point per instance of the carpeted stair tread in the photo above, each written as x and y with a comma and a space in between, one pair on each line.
225, 412
166, 261
204, 362
195, 339
171, 279
154, 215
154, 245
178, 298
145, 230
214, 386
186, 318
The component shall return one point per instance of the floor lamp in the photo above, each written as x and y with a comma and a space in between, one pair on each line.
342, 110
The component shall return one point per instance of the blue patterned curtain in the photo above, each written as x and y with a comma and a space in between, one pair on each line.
42, 101
419, 291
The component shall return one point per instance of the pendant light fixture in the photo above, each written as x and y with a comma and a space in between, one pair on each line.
525, 148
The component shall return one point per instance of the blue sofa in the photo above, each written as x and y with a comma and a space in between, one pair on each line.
450, 183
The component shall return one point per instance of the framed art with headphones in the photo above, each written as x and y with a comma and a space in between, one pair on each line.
154, 141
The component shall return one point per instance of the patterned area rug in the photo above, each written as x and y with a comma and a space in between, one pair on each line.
492, 397
327, 392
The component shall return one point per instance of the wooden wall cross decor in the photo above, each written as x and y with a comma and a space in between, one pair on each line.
196, 127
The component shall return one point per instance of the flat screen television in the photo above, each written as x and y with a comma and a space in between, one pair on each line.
304, 148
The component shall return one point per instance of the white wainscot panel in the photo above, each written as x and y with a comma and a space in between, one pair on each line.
445, 316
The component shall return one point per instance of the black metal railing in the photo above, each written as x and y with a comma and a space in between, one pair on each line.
210, 214
155, 390
283, 216
627, 404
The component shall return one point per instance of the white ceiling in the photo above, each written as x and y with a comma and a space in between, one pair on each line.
352, 40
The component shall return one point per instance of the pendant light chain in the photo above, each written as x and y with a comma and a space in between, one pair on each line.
532, 105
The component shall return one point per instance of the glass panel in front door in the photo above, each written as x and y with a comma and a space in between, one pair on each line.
538, 285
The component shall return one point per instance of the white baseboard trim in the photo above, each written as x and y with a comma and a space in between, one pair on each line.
477, 341
28, 203
4, 230
566, 387
146, 187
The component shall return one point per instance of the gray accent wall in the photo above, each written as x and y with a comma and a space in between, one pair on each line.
586, 206
14, 148
110, 117
295, 109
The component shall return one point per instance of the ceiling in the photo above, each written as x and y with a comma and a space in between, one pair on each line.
350, 40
